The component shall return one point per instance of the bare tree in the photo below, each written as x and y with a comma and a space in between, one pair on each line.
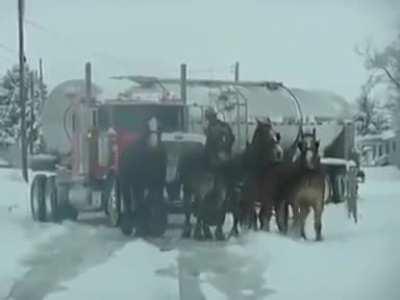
372, 118
386, 62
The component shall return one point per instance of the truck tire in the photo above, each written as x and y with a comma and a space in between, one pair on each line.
37, 198
51, 201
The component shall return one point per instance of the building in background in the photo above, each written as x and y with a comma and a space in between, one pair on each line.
380, 149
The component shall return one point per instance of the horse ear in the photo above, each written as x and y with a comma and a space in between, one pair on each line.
268, 121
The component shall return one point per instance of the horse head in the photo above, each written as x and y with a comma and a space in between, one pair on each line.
219, 142
266, 143
309, 150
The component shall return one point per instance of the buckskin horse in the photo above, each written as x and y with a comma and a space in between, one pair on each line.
248, 171
307, 188
142, 173
204, 178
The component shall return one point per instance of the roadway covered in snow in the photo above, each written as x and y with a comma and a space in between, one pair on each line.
87, 260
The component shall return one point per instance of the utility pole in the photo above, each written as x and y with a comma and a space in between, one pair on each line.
41, 84
32, 112
88, 82
183, 75
236, 71
22, 98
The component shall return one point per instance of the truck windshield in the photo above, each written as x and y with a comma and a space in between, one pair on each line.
132, 118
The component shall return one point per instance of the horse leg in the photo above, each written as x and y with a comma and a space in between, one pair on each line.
219, 233
198, 230
296, 219
304, 211
198, 234
204, 210
254, 220
140, 211
187, 206
282, 216
265, 215
236, 212
235, 227
318, 209
207, 232
126, 223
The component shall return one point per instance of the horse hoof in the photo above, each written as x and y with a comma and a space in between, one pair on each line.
198, 235
265, 229
186, 233
208, 236
207, 233
234, 233
219, 236
140, 232
126, 225
319, 239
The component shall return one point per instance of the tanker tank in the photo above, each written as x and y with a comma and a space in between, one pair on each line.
325, 110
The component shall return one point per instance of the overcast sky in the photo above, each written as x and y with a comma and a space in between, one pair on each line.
308, 45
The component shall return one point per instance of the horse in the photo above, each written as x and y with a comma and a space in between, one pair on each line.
142, 174
246, 182
204, 178
307, 188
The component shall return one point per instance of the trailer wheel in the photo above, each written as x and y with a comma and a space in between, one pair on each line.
113, 202
37, 195
51, 201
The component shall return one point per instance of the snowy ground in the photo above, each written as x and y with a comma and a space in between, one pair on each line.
87, 260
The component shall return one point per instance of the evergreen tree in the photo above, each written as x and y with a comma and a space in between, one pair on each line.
10, 113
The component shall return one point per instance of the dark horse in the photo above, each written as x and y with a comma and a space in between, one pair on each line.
204, 179
247, 172
142, 173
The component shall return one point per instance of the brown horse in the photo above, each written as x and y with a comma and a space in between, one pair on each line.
307, 189
247, 173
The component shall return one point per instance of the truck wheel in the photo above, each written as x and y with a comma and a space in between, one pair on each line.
51, 201
37, 195
113, 203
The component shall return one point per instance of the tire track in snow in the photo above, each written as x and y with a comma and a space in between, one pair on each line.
65, 256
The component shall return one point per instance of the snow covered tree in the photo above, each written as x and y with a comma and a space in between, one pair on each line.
384, 67
372, 118
387, 61
10, 113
